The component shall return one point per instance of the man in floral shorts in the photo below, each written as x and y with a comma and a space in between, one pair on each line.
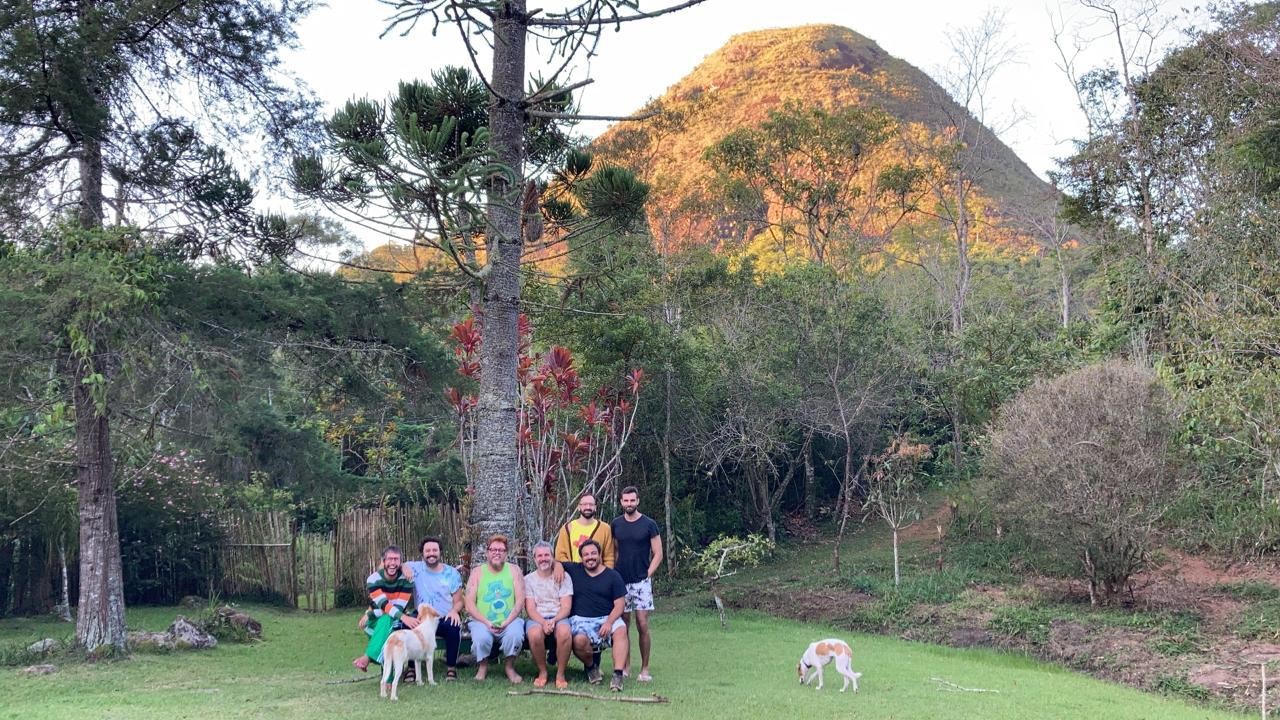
639, 547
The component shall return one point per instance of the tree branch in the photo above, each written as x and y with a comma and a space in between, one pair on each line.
561, 20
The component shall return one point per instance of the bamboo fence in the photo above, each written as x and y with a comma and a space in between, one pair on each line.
258, 557
362, 534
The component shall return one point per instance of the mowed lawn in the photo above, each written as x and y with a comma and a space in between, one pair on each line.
745, 672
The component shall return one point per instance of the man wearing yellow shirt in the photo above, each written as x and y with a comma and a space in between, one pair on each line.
583, 528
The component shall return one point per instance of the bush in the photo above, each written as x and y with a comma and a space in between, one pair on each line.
1082, 466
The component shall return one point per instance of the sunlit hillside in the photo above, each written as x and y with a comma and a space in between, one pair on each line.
829, 68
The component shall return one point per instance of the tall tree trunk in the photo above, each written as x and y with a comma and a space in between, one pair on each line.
810, 492
964, 269
494, 504
897, 573
100, 612
1065, 294
668, 510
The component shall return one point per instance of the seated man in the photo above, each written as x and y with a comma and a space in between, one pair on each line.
439, 584
390, 606
596, 622
548, 602
495, 596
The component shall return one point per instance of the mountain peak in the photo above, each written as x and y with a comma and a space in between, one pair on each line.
826, 67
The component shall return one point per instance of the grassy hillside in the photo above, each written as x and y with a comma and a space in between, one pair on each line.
823, 66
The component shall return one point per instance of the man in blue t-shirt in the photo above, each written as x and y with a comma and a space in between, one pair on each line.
439, 584
639, 555
596, 619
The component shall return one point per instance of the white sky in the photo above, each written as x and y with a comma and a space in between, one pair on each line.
341, 55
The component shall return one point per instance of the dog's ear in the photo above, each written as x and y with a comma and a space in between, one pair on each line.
425, 611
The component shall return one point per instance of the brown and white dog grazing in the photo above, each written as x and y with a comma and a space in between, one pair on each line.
417, 644
822, 652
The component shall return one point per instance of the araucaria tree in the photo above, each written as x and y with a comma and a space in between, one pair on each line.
93, 133
510, 204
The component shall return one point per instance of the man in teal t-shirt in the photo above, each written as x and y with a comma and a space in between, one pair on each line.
439, 584
495, 596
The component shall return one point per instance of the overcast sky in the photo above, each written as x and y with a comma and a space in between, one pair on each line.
342, 56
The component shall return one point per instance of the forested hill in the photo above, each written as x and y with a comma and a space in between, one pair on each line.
821, 67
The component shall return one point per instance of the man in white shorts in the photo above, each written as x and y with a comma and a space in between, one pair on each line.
596, 622
639, 546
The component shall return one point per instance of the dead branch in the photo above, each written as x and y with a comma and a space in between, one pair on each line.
949, 686
648, 699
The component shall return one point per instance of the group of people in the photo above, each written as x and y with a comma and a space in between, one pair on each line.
582, 596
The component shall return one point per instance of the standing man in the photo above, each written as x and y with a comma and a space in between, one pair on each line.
596, 622
583, 528
390, 596
495, 597
548, 604
439, 584
639, 556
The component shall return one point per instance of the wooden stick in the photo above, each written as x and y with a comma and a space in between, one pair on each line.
592, 696
952, 687
352, 680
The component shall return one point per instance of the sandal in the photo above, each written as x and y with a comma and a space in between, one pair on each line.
450, 675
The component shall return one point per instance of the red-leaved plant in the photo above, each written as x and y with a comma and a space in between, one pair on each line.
567, 446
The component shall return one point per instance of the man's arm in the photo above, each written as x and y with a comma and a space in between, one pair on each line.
562, 544
566, 608
517, 584
606, 627
473, 581
655, 550
531, 608
455, 612
610, 548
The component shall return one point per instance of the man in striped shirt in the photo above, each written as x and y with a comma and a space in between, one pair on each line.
390, 606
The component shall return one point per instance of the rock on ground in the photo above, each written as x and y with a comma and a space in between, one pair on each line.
189, 636
43, 647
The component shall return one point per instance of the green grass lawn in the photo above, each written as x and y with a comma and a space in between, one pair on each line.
745, 672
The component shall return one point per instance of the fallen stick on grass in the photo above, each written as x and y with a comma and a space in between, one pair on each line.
592, 696
952, 687
351, 680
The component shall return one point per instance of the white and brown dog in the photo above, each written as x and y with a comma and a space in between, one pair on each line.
417, 644
825, 651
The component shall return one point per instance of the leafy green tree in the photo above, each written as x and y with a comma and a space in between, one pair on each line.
809, 174
90, 97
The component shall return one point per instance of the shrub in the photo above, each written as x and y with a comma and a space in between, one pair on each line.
1082, 466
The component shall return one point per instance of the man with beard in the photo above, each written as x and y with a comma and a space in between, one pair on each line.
596, 622
583, 528
639, 556
548, 601
390, 606
494, 599
439, 584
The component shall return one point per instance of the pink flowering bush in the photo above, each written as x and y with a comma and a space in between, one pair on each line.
168, 512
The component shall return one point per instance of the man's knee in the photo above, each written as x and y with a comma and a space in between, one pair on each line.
642, 621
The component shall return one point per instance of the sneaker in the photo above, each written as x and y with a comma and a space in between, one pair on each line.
615, 685
594, 676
